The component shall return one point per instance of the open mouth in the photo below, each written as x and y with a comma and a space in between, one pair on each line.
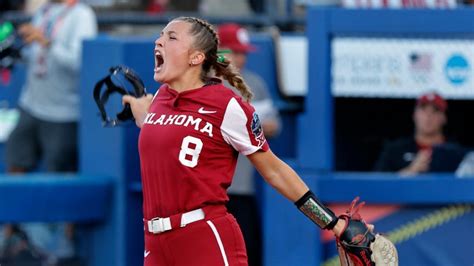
158, 60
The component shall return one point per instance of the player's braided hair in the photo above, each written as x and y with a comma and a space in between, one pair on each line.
206, 39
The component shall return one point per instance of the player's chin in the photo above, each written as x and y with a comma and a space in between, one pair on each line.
158, 77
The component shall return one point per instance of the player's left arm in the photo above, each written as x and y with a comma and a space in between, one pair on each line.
357, 244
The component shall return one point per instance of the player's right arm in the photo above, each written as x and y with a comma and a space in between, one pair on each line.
139, 106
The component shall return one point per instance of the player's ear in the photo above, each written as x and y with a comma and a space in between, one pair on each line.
196, 58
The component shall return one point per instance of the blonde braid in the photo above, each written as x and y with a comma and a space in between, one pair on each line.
226, 70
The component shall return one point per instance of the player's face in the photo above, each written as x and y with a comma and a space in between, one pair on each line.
429, 120
172, 52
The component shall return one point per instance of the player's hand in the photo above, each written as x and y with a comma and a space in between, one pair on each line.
139, 106
420, 164
30, 34
357, 243
341, 225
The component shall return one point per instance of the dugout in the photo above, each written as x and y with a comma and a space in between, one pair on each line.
363, 125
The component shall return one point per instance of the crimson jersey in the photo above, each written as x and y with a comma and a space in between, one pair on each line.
189, 144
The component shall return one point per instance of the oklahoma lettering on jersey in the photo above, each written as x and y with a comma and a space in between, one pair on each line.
189, 144
179, 120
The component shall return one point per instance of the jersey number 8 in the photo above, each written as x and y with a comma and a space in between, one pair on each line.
190, 149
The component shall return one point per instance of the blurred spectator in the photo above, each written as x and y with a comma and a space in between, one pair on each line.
49, 104
242, 203
428, 149
49, 101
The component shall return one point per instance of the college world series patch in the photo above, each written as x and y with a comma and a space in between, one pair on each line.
257, 130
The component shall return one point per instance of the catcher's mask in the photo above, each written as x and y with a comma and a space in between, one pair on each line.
10, 46
114, 84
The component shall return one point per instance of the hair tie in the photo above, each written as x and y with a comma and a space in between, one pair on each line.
220, 55
221, 58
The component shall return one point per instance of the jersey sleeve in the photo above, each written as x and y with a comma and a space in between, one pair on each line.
241, 128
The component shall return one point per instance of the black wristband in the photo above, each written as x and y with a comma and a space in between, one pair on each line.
321, 215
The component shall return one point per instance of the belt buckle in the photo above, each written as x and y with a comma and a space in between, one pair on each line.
156, 225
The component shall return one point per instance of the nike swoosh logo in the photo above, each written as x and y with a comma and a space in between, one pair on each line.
146, 253
202, 111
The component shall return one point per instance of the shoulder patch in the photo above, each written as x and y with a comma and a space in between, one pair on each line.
257, 130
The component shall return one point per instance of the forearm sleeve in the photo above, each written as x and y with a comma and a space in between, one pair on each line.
321, 215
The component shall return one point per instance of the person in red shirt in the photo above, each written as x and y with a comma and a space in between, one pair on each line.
192, 130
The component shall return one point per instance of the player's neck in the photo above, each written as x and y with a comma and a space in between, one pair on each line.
429, 139
186, 82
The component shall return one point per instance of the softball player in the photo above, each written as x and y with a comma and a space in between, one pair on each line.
191, 133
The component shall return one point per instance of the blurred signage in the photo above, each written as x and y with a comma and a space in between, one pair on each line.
399, 3
293, 62
402, 68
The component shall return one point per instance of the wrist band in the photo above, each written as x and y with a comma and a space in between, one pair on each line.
310, 206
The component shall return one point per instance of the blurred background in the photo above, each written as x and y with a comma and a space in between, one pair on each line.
357, 85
